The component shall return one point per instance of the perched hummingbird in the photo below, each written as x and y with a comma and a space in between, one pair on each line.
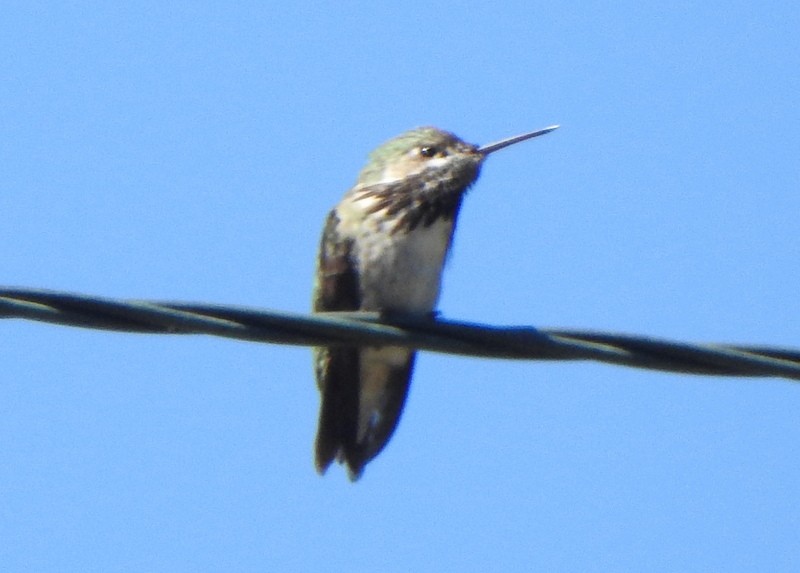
383, 249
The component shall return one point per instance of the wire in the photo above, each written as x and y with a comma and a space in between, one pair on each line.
374, 329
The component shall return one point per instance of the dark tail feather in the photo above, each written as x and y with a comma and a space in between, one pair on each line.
338, 414
337, 436
356, 454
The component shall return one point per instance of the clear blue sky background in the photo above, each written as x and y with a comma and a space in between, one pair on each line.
189, 151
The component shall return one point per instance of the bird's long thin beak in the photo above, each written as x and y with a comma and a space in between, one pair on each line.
492, 147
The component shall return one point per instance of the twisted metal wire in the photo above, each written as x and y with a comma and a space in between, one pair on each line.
374, 329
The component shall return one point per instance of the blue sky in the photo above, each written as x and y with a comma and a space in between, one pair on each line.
190, 151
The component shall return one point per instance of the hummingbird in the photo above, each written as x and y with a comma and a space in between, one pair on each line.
383, 249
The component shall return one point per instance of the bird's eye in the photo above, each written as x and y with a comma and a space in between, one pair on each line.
428, 151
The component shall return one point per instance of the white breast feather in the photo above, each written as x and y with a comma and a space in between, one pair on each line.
402, 271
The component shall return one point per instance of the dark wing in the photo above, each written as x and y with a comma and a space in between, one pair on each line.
337, 369
337, 279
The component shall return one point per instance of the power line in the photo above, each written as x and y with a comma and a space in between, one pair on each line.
373, 329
